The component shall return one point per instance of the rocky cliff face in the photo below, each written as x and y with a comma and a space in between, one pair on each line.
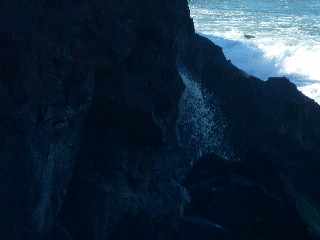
272, 128
89, 98
269, 118
94, 139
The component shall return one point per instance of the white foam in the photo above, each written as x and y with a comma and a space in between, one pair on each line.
266, 57
312, 90
285, 44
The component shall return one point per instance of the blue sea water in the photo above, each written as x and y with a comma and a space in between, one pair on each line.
286, 37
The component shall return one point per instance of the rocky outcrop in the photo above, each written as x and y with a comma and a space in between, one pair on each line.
89, 97
249, 201
95, 125
269, 120
270, 117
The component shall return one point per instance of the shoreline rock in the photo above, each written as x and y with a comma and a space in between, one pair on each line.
90, 144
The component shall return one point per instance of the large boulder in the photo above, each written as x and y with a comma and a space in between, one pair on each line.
249, 201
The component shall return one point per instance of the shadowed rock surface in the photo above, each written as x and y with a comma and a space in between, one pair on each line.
90, 145
270, 119
248, 200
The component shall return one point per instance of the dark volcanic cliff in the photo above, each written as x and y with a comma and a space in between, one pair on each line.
97, 109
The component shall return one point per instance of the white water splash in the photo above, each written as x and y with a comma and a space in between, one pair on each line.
200, 122
284, 44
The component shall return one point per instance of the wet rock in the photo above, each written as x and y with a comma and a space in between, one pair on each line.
248, 206
90, 146
249, 36
271, 119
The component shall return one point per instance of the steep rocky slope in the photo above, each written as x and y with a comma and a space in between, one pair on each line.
272, 119
94, 144
89, 98
267, 122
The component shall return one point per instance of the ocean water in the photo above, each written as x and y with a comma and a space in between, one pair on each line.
286, 37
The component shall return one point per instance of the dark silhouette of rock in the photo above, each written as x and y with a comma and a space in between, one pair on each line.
271, 118
249, 36
90, 94
249, 205
142, 227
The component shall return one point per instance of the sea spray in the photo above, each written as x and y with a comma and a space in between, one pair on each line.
286, 37
200, 124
